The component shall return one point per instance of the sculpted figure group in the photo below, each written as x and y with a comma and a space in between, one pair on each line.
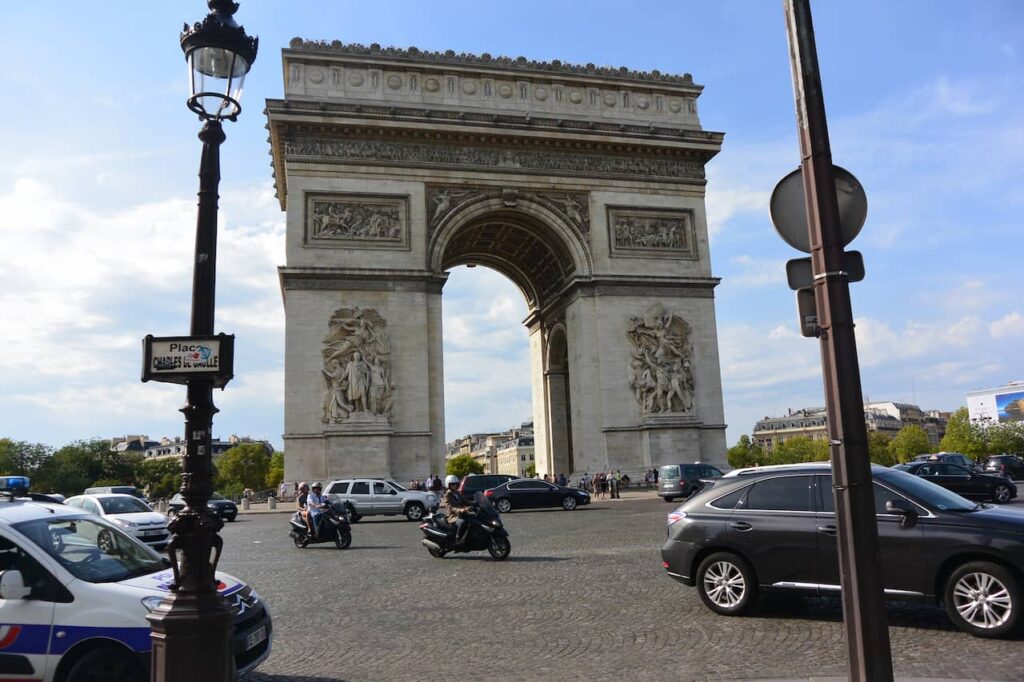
356, 359
662, 364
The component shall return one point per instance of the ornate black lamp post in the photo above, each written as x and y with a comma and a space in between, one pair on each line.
191, 631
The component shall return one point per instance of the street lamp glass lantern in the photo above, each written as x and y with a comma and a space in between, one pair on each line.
219, 54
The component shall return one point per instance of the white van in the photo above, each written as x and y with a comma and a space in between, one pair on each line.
75, 591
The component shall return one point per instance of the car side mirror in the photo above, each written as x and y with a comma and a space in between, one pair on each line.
12, 585
902, 508
394, 492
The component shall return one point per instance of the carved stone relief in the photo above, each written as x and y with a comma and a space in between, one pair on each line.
355, 380
662, 363
376, 152
373, 221
573, 207
650, 231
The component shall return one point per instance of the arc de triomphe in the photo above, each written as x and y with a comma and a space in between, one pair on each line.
584, 185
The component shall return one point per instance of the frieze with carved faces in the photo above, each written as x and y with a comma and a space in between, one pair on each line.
355, 378
378, 152
661, 362
357, 220
667, 232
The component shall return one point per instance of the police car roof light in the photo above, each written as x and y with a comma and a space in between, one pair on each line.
14, 485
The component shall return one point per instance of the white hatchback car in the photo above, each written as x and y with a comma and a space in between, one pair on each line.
128, 513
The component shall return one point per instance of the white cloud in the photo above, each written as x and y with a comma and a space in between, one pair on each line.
1009, 326
723, 203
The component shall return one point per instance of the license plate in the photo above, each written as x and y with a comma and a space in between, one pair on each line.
148, 533
256, 637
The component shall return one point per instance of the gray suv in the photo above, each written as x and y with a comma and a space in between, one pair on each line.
361, 497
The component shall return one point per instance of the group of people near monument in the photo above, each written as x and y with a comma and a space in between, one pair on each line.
432, 483
604, 483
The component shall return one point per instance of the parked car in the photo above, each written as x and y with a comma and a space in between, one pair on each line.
361, 497
225, 508
474, 483
949, 458
1010, 466
76, 591
117, 489
128, 513
774, 529
963, 481
531, 493
683, 480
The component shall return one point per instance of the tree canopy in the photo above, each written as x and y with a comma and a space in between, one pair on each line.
745, 453
246, 464
461, 465
909, 442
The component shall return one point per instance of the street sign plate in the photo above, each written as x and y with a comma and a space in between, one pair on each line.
179, 359
800, 275
789, 210
807, 312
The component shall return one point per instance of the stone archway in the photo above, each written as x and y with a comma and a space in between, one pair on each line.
583, 185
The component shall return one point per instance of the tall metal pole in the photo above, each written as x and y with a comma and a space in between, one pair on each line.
191, 632
860, 570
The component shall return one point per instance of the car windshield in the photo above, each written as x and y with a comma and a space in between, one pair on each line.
91, 550
123, 505
931, 494
395, 485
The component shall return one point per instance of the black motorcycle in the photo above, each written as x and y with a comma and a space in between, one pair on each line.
484, 531
333, 527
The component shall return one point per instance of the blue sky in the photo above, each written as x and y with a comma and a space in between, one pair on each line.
98, 182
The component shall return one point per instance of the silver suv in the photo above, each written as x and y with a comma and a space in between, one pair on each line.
378, 496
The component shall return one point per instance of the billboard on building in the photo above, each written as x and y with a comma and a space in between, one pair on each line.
1010, 406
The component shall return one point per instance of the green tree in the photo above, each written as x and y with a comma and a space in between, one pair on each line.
161, 478
69, 470
745, 453
276, 472
531, 470
964, 436
246, 465
908, 443
462, 465
18, 458
878, 448
1006, 438
800, 449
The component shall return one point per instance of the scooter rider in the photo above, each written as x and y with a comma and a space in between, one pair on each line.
315, 502
455, 506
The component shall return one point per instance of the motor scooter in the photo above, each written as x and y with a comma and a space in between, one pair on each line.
484, 532
332, 527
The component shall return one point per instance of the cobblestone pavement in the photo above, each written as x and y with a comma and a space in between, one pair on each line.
582, 596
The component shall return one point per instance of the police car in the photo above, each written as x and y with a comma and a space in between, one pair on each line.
75, 591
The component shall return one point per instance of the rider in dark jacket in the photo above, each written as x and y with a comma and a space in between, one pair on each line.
455, 507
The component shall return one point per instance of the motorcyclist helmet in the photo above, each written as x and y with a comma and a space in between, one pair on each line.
451, 479
303, 487
316, 485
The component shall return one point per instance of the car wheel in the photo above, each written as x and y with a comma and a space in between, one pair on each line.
105, 664
1001, 494
668, 499
342, 540
353, 517
503, 505
499, 548
983, 599
414, 511
231, 518
105, 541
726, 584
171, 513
568, 503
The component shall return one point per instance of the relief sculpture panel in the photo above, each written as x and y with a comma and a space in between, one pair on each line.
651, 232
356, 375
662, 363
366, 221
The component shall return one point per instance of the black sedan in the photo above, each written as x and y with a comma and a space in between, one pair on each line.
963, 481
531, 493
224, 507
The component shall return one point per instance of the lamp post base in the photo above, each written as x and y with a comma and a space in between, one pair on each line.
191, 636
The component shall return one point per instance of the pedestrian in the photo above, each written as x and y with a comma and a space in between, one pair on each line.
613, 485
603, 482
